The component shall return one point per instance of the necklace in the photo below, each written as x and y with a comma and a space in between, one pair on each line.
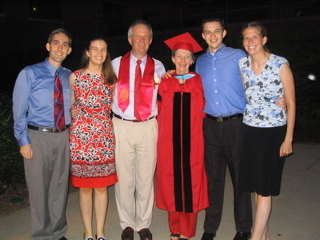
91, 72
256, 65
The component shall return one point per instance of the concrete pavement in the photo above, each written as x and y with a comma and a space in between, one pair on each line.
296, 212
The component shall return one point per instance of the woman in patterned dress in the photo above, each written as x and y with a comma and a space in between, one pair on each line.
92, 140
268, 129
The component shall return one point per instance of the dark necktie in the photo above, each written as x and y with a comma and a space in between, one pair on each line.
58, 103
137, 81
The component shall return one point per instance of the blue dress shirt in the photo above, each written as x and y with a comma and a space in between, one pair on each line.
33, 101
221, 79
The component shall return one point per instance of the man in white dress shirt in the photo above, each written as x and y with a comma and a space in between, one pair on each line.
136, 131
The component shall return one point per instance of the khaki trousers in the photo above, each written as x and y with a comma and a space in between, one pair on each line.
136, 157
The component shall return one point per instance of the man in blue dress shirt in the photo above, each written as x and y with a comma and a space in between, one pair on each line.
225, 103
45, 147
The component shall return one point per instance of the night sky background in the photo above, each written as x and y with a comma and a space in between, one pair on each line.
293, 27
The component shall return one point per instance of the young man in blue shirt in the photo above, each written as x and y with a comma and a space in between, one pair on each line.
225, 103
44, 143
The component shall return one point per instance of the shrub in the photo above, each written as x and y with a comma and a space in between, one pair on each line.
11, 167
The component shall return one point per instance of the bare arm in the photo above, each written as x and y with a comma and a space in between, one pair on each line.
289, 90
74, 112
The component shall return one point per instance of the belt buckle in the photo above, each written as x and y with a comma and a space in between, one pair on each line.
219, 119
55, 130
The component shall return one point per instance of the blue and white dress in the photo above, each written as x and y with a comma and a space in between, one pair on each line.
264, 127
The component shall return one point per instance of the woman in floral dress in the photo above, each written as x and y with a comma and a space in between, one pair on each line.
92, 140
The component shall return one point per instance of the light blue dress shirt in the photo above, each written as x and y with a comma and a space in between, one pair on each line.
221, 79
33, 101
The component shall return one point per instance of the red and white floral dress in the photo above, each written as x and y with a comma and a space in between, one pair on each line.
92, 140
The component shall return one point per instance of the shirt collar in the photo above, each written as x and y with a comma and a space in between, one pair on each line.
219, 51
52, 69
133, 58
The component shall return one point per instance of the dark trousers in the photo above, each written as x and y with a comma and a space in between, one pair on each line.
222, 142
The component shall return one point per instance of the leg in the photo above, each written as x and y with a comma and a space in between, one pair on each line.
242, 200
174, 225
215, 165
146, 157
100, 207
125, 165
183, 223
85, 203
59, 186
38, 181
263, 210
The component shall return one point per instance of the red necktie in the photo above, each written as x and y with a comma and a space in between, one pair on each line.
137, 80
58, 103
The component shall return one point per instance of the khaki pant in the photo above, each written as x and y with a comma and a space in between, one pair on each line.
136, 157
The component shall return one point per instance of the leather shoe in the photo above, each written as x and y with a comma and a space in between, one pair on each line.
127, 234
208, 236
242, 236
145, 234
64, 238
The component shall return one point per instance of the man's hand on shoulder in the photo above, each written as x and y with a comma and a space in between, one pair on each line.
26, 151
168, 73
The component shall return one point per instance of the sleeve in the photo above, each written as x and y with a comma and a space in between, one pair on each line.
20, 106
159, 95
202, 96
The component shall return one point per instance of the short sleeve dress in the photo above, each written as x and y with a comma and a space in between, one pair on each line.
264, 128
92, 140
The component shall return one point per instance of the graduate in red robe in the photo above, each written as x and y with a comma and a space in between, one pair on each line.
181, 182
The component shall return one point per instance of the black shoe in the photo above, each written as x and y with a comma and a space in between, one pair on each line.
242, 236
127, 234
145, 234
175, 235
63, 238
208, 236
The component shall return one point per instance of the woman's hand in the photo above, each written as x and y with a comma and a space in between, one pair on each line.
286, 148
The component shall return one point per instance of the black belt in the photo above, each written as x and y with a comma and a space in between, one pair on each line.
223, 119
47, 129
117, 116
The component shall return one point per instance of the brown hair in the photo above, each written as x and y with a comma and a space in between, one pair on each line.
57, 31
107, 69
260, 27
207, 20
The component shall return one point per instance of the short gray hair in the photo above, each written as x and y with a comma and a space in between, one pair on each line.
137, 22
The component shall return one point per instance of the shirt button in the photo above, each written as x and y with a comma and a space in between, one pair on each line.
217, 102
215, 91
215, 80
214, 68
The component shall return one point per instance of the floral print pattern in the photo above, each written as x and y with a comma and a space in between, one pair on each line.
262, 92
92, 140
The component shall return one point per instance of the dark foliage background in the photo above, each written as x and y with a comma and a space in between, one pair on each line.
298, 41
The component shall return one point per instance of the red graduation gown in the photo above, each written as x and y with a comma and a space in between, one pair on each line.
181, 182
